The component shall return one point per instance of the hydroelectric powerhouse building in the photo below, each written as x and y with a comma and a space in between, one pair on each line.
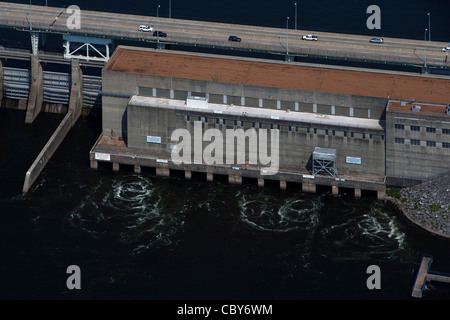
339, 127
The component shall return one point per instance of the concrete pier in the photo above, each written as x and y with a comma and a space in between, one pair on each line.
260, 182
334, 190
1, 82
60, 133
308, 186
36, 95
162, 172
424, 274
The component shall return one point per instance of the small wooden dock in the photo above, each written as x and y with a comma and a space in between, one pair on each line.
424, 274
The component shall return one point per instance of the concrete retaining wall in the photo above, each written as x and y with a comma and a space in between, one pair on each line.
60, 133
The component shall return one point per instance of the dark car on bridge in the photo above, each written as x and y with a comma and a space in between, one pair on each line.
234, 38
159, 33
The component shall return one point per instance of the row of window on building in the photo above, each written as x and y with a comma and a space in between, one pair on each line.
290, 128
416, 142
418, 129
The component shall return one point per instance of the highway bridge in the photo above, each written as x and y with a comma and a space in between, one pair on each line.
287, 42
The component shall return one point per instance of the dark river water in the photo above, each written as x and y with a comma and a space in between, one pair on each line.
144, 237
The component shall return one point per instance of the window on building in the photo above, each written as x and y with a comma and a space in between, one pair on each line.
253, 124
445, 145
188, 118
315, 130
431, 143
290, 128
415, 142
224, 121
399, 126
399, 140
235, 122
431, 130
415, 128
445, 131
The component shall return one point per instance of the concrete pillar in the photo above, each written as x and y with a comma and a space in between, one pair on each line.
357, 193
137, 169
162, 172
115, 166
188, 174
234, 178
308, 186
1, 82
36, 96
283, 185
76, 91
335, 190
209, 176
260, 182
94, 164
381, 194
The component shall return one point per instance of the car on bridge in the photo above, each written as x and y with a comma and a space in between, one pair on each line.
376, 40
310, 37
160, 33
145, 28
234, 38
446, 49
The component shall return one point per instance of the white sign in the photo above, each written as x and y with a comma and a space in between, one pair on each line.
102, 156
353, 160
152, 139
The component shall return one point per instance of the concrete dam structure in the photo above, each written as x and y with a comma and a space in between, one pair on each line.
337, 126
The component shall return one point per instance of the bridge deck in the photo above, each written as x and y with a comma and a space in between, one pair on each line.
215, 35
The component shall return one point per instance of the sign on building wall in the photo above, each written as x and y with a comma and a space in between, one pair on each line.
353, 160
102, 156
152, 139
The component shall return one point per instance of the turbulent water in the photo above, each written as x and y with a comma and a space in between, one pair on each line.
143, 237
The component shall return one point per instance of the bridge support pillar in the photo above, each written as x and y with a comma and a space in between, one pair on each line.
425, 70
36, 96
35, 43
288, 58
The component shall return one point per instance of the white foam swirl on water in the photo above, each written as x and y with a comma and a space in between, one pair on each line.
132, 209
269, 214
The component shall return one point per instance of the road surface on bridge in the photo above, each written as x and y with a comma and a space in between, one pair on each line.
211, 34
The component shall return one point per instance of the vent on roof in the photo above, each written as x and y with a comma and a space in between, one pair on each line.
415, 108
197, 102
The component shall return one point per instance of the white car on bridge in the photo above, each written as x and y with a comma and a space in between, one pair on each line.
446, 49
145, 28
310, 38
